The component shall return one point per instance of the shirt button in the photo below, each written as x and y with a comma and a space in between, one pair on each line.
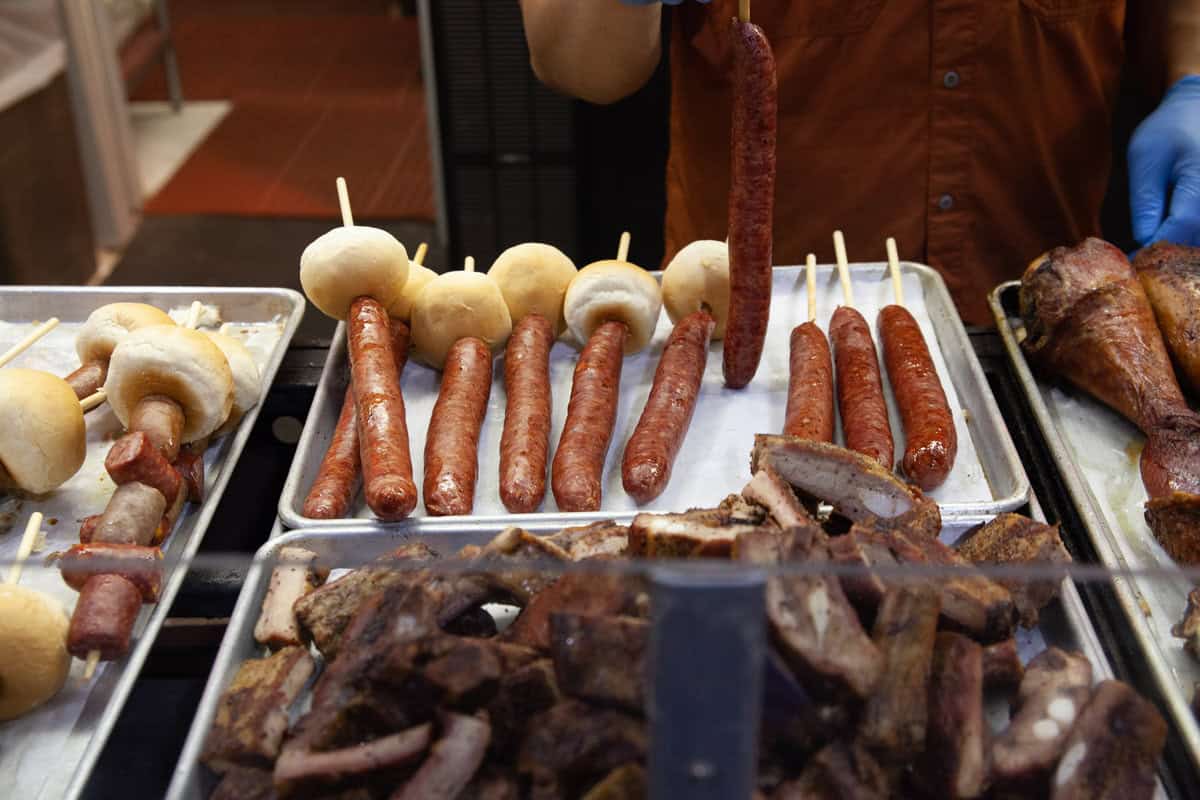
946, 202
950, 79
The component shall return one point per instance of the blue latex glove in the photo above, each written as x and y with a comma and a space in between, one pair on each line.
1164, 156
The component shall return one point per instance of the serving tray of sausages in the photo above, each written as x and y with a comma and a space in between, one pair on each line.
987, 476
1096, 452
50, 751
1062, 623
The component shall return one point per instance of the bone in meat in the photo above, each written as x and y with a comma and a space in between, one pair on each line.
1113, 749
856, 486
812, 623
1053, 669
773, 493
252, 716
605, 538
295, 768
1014, 539
1175, 521
294, 577
577, 592
1170, 275
955, 761
705, 533
452, 761
895, 716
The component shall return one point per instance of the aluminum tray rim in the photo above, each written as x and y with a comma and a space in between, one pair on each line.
1102, 536
292, 497
131, 667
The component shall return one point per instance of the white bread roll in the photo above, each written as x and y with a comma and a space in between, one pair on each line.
453, 306
613, 290
246, 380
180, 363
43, 440
108, 325
418, 276
351, 261
698, 276
533, 277
33, 637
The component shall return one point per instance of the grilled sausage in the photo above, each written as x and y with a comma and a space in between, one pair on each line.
132, 515
810, 385
170, 516
931, 442
160, 418
135, 458
864, 411
87, 528
88, 379
525, 443
452, 441
578, 467
190, 466
141, 566
379, 407
651, 450
337, 478
103, 620
751, 202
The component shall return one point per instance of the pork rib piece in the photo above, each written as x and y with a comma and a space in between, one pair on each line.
1089, 320
1170, 274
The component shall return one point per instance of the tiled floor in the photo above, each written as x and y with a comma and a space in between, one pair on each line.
164, 139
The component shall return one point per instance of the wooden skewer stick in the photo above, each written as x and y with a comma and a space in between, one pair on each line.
93, 400
32, 528
623, 247
839, 248
419, 257
193, 317
23, 345
744, 10
344, 202
469, 264
894, 268
811, 277
89, 666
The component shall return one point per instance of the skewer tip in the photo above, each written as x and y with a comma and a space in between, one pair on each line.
344, 201
89, 667
623, 247
419, 257
744, 10
469, 264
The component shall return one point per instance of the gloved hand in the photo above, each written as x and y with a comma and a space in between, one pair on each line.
1164, 156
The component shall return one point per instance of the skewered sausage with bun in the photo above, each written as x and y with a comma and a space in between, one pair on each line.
103, 330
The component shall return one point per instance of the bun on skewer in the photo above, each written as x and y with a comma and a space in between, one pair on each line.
33, 635
247, 385
419, 276
533, 277
457, 305
349, 262
43, 440
108, 325
613, 290
180, 363
698, 276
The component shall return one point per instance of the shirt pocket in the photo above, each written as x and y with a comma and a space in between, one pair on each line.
1063, 10
811, 18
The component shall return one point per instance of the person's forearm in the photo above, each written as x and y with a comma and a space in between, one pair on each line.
596, 50
1183, 39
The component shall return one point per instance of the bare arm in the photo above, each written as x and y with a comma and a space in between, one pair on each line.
596, 50
1183, 39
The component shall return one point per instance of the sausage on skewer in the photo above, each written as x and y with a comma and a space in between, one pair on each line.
751, 200
101, 333
809, 412
931, 441
533, 277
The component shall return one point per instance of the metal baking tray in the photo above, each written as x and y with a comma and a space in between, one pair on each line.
1064, 623
987, 477
51, 752
1096, 452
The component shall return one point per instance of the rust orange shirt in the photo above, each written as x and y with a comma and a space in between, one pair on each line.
977, 132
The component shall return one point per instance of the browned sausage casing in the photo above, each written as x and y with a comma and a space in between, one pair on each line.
190, 466
88, 379
651, 450
337, 479
525, 443
135, 458
578, 468
141, 566
931, 442
751, 202
132, 515
452, 441
810, 385
160, 418
379, 406
103, 619
860, 388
